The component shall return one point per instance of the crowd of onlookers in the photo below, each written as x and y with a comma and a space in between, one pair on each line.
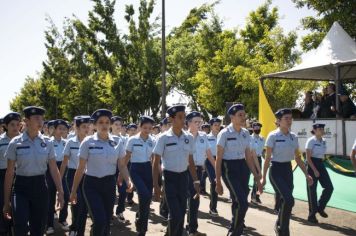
323, 105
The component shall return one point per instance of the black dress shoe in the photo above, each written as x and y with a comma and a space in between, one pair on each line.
323, 214
313, 219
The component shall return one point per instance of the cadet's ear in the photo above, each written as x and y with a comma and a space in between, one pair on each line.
170, 118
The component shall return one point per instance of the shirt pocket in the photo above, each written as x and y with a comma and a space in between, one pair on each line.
21, 152
138, 149
171, 147
96, 152
232, 144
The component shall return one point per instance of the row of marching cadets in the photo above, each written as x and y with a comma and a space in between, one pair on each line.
86, 169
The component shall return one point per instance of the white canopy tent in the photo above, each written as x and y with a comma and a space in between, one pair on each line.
333, 60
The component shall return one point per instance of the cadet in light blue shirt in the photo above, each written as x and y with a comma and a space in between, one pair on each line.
12, 129
315, 151
71, 159
98, 157
215, 124
281, 149
60, 130
233, 162
30, 152
201, 153
257, 145
139, 151
175, 147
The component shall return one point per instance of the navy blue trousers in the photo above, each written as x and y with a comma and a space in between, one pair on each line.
236, 174
123, 195
141, 176
212, 178
325, 182
281, 177
79, 210
30, 205
176, 189
4, 223
63, 213
99, 194
193, 204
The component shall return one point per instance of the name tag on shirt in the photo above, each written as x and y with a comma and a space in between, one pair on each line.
170, 144
95, 147
228, 139
280, 141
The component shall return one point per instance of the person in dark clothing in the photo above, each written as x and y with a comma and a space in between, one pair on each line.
347, 107
327, 104
308, 105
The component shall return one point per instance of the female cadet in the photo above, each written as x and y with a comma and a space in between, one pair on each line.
233, 161
71, 159
30, 152
60, 129
202, 153
281, 149
176, 148
139, 151
12, 129
315, 150
212, 136
98, 156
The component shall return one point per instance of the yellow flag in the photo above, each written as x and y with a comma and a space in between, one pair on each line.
265, 113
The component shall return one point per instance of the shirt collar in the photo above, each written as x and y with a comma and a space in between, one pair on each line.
96, 137
231, 129
25, 136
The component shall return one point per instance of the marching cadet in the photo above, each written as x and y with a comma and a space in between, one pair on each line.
98, 157
50, 126
202, 153
139, 151
60, 128
210, 169
233, 161
315, 151
176, 148
257, 146
12, 129
45, 129
30, 152
281, 148
71, 160
156, 130
205, 128
163, 208
353, 155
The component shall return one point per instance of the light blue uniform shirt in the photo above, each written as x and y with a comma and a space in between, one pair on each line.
212, 141
101, 155
174, 150
59, 148
257, 144
31, 156
71, 151
201, 147
4, 142
234, 143
141, 150
354, 146
283, 146
317, 147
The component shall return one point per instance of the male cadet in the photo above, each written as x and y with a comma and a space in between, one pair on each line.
176, 148
257, 145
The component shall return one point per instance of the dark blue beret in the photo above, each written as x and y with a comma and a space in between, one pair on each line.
283, 111
235, 108
11, 116
192, 114
164, 121
116, 118
205, 126
318, 125
60, 122
174, 109
146, 119
81, 120
256, 125
101, 112
213, 120
131, 126
50, 123
33, 110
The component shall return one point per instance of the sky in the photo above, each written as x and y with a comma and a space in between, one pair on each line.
22, 26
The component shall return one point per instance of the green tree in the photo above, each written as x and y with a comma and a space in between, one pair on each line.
328, 11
